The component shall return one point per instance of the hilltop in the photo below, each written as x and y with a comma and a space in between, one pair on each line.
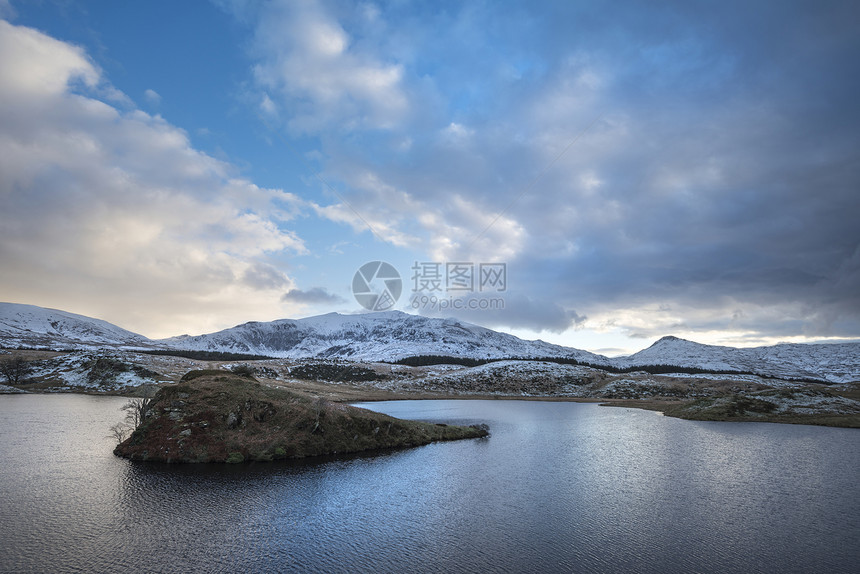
393, 336
385, 336
41, 328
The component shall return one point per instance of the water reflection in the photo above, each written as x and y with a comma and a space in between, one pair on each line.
557, 487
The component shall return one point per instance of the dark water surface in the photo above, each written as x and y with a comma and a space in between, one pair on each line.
558, 487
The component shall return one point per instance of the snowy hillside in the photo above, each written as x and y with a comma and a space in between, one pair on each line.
394, 335
384, 336
836, 363
37, 327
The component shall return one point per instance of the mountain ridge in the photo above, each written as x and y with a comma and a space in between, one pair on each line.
393, 335
30, 325
386, 336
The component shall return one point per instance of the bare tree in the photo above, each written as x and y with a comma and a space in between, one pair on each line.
14, 369
135, 413
119, 432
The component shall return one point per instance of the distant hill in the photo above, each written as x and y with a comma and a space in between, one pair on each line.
394, 335
386, 336
38, 327
833, 362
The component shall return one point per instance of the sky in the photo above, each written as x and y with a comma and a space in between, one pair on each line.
593, 174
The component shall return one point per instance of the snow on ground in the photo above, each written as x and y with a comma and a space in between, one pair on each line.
98, 371
809, 401
642, 388
509, 378
7, 390
716, 377
429, 370
112, 371
775, 383
393, 335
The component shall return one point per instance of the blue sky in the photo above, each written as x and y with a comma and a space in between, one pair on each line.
642, 168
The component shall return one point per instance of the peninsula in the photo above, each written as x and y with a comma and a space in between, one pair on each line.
219, 416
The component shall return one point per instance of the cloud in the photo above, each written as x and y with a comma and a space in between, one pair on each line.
331, 81
59, 65
620, 161
500, 310
312, 296
447, 227
122, 207
152, 97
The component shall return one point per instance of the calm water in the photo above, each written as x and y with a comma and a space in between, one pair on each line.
558, 487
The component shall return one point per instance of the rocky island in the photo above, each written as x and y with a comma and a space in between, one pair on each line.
219, 416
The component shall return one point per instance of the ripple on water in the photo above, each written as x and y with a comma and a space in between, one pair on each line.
559, 487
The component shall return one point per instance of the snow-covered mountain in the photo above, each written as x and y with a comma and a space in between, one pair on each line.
38, 327
394, 335
386, 336
833, 362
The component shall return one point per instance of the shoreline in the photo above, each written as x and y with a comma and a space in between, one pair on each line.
726, 399
348, 393
336, 393
228, 418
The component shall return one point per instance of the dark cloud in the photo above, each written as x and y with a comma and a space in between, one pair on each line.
264, 276
720, 169
500, 310
312, 296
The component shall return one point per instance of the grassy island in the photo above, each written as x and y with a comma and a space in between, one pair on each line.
218, 416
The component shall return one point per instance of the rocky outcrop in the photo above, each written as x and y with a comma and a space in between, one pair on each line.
222, 417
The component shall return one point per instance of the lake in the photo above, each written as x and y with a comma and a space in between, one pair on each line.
557, 487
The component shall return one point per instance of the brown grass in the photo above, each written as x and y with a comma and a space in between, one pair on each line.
221, 417
682, 410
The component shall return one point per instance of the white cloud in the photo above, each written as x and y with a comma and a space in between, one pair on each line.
308, 63
457, 134
59, 65
121, 206
268, 108
152, 97
447, 227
